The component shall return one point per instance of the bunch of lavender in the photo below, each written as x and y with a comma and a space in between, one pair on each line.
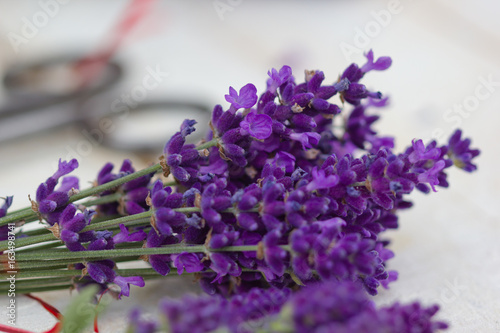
285, 191
330, 306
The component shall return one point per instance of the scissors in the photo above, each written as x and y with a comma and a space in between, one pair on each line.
44, 95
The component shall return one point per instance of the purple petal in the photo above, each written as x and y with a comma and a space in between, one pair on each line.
159, 263
65, 168
246, 98
259, 126
125, 282
189, 262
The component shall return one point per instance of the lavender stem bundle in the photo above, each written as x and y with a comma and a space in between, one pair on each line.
288, 191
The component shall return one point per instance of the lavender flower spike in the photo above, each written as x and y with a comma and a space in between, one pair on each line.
333, 306
343, 307
460, 153
51, 202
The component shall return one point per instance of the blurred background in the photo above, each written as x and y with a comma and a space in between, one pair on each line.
445, 74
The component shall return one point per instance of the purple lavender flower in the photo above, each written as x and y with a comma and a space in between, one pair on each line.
140, 325
307, 139
356, 91
239, 314
359, 131
344, 307
125, 236
7, 202
460, 153
4, 230
125, 282
381, 64
246, 98
321, 246
422, 153
275, 256
70, 224
51, 202
344, 197
354, 73
159, 262
233, 145
431, 175
285, 160
192, 314
165, 219
135, 191
256, 125
278, 78
321, 181
69, 230
181, 159
191, 262
102, 272
323, 307
214, 200
428, 163
327, 303
223, 264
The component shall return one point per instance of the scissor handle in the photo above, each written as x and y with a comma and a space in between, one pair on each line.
27, 111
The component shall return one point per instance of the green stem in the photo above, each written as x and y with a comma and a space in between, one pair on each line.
130, 220
171, 183
18, 216
44, 231
55, 264
39, 282
114, 183
20, 242
68, 285
103, 200
208, 144
77, 273
50, 245
142, 217
95, 255
45, 278
42, 289
17, 211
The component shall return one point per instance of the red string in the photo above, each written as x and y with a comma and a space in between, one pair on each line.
10, 329
56, 329
47, 306
96, 328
